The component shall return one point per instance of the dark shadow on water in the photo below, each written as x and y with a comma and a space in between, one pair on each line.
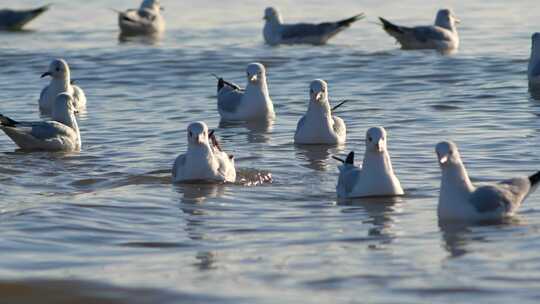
458, 235
139, 39
318, 157
85, 292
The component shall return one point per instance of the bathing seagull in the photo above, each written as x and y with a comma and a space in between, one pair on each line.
13, 20
459, 199
533, 71
276, 32
318, 125
253, 103
204, 160
146, 20
60, 82
375, 177
60, 134
442, 36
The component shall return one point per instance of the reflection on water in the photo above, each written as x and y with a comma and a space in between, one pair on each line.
258, 131
152, 39
318, 156
381, 213
458, 235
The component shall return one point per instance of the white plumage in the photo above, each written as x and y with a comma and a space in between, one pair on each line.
60, 83
204, 160
318, 125
376, 176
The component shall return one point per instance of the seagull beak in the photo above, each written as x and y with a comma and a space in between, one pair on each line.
443, 159
457, 20
46, 74
161, 8
319, 96
379, 146
200, 139
253, 78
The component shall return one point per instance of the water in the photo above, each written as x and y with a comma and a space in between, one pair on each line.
102, 224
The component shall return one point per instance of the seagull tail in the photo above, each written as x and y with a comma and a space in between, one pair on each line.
7, 122
389, 26
40, 10
349, 21
350, 158
534, 179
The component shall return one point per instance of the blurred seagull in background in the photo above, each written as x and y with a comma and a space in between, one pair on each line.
147, 20
533, 70
442, 36
14, 20
275, 32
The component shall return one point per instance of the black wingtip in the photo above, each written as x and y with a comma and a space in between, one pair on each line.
350, 158
6, 121
349, 21
220, 84
389, 26
535, 178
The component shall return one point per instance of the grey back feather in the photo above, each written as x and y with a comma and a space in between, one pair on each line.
229, 99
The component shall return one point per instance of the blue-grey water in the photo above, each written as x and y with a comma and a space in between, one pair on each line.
106, 225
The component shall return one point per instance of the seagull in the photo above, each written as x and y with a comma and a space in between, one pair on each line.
533, 71
253, 103
60, 82
276, 32
14, 20
147, 20
459, 199
442, 36
375, 177
60, 134
204, 160
318, 125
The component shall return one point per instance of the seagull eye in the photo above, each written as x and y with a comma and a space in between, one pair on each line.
370, 139
58, 69
190, 134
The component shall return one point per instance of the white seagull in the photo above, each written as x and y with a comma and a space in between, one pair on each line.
459, 199
442, 36
533, 70
60, 82
375, 177
318, 125
276, 32
249, 104
147, 20
204, 160
60, 134
13, 20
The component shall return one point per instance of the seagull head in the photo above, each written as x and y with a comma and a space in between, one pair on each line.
447, 153
318, 91
256, 73
58, 69
376, 140
272, 14
197, 133
446, 18
153, 5
63, 106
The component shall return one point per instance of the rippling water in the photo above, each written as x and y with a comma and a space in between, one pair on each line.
101, 224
